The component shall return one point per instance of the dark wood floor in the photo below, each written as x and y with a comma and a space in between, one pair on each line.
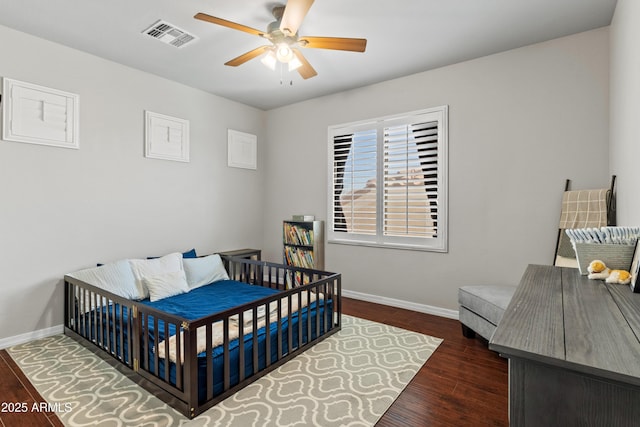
462, 384
18, 395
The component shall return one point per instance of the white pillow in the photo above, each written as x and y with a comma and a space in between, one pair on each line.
142, 268
115, 277
166, 285
204, 270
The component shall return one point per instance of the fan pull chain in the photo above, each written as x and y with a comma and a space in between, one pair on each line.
282, 76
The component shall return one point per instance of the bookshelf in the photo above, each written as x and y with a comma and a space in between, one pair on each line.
303, 244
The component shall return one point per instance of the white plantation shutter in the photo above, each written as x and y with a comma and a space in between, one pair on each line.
357, 200
410, 180
407, 156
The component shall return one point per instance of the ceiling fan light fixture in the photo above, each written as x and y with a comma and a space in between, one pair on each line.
284, 52
294, 64
284, 39
269, 60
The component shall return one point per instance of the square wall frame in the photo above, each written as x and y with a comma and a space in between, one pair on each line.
39, 115
166, 137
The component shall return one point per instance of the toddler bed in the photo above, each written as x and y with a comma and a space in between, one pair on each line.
197, 346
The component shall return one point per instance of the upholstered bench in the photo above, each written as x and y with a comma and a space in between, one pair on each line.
482, 307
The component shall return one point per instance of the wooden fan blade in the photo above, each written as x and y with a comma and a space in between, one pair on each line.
294, 13
306, 71
247, 56
229, 24
335, 43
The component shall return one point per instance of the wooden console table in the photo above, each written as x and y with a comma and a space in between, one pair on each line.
573, 350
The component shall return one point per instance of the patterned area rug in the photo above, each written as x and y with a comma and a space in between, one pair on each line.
351, 378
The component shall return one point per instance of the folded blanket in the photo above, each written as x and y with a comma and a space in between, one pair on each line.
217, 331
584, 208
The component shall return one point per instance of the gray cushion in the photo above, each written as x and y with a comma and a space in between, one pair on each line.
476, 323
487, 301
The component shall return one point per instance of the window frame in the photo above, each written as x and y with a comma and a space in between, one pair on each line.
433, 244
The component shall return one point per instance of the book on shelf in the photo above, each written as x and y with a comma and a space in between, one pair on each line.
297, 235
296, 279
299, 257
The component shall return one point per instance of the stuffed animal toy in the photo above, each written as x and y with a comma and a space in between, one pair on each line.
619, 277
599, 271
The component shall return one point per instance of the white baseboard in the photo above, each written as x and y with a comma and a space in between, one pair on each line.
422, 308
30, 336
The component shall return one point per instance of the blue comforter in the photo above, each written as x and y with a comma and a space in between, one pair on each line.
210, 299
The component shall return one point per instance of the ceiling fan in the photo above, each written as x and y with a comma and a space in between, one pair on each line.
284, 38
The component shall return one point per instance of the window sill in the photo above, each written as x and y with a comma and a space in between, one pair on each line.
388, 246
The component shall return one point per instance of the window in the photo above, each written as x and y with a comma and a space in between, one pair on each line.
388, 182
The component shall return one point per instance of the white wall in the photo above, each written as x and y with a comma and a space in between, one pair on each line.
625, 109
62, 209
520, 123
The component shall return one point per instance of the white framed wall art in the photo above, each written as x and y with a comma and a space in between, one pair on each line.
166, 137
242, 150
39, 115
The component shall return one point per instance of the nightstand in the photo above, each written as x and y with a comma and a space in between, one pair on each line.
255, 254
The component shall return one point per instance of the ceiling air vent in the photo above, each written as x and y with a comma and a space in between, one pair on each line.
169, 34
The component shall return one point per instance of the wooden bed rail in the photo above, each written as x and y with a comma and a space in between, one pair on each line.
270, 274
106, 324
99, 316
149, 322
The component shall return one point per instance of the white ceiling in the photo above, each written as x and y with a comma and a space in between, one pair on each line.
404, 37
